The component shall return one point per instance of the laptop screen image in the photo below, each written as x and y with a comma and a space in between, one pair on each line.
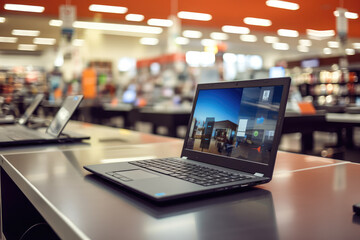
236, 122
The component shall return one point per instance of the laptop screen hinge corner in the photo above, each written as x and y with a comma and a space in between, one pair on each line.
259, 174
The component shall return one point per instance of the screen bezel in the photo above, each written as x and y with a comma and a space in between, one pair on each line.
76, 103
242, 164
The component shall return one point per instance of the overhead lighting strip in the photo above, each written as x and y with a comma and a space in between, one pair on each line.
288, 33
160, 22
194, 16
8, 39
134, 17
118, 27
235, 29
27, 47
44, 41
107, 9
257, 21
28, 33
24, 8
282, 4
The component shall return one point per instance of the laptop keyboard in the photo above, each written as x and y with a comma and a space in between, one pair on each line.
21, 134
190, 172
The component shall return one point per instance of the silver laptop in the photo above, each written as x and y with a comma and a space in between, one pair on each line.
21, 135
231, 142
27, 114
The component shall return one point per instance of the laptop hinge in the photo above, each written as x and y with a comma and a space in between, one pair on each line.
259, 174
184, 157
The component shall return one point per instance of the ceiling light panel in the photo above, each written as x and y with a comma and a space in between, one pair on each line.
257, 21
271, 39
219, 36
44, 41
235, 29
350, 51
192, 34
27, 47
107, 9
288, 33
182, 41
333, 44
55, 23
2, 19
118, 27
8, 39
348, 15
160, 22
280, 46
305, 42
28, 33
24, 8
327, 51
282, 4
248, 38
356, 45
134, 17
320, 34
194, 16
149, 41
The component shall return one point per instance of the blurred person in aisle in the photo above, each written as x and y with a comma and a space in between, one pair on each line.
89, 82
55, 84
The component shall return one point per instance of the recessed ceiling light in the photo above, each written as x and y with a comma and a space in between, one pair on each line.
305, 42
349, 15
8, 39
107, 8
182, 41
118, 27
271, 39
327, 51
192, 34
149, 41
333, 44
44, 41
280, 46
2, 19
257, 21
235, 29
302, 48
194, 16
134, 17
282, 4
320, 34
356, 45
350, 51
24, 8
27, 47
248, 38
55, 23
219, 36
288, 33
29, 33
160, 22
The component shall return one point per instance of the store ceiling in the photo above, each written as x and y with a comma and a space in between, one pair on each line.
317, 15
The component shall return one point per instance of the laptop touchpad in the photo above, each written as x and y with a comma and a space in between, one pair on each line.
136, 174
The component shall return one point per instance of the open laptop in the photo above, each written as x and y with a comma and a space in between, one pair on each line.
20, 134
231, 142
27, 114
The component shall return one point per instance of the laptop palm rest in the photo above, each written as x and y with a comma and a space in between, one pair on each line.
135, 174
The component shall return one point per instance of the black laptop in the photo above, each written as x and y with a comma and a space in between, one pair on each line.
231, 142
20, 134
27, 114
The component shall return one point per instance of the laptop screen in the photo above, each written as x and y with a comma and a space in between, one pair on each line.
236, 122
63, 115
29, 111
